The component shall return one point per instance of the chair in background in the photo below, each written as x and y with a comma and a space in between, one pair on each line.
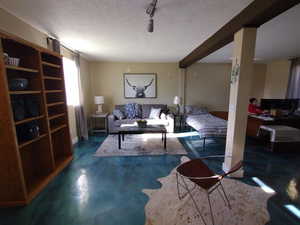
201, 176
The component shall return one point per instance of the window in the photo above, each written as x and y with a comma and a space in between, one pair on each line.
71, 82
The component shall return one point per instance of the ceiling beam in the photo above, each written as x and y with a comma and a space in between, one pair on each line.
254, 15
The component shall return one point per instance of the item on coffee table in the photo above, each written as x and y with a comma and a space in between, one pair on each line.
142, 123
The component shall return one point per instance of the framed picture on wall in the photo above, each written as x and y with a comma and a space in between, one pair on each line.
140, 85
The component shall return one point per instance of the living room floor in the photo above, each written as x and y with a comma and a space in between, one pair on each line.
108, 191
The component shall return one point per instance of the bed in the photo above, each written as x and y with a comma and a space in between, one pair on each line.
208, 126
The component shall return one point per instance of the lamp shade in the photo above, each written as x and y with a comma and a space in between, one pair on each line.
99, 100
177, 100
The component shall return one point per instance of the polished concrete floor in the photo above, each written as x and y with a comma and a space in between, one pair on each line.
108, 191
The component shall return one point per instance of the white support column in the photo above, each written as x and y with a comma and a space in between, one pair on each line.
182, 86
242, 68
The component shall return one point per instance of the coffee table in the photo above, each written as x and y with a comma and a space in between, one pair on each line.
134, 129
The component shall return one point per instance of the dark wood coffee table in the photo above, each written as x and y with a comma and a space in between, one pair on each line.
151, 129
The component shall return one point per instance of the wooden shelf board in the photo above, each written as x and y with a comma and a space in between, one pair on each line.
24, 92
58, 128
50, 64
22, 145
55, 103
56, 116
54, 91
10, 67
40, 184
29, 120
51, 78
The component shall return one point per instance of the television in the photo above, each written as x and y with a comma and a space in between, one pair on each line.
283, 104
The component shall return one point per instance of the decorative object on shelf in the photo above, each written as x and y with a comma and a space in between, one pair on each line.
5, 55
139, 85
177, 101
18, 84
28, 131
18, 107
142, 123
99, 101
53, 44
151, 11
32, 106
13, 61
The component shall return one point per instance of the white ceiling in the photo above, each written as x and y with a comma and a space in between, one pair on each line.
116, 30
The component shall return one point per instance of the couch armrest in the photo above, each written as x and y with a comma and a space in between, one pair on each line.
111, 122
171, 126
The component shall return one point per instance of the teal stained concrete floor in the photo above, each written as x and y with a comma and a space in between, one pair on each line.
108, 191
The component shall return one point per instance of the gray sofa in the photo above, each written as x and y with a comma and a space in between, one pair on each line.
167, 121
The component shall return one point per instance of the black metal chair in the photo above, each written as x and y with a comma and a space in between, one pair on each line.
202, 177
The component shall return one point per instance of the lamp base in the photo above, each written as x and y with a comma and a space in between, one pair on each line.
99, 110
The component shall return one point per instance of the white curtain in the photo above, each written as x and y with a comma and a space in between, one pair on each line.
81, 119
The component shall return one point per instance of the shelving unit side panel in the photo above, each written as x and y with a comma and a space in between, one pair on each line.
12, 183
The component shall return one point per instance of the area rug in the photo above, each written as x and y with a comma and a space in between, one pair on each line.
248, 205
141, 144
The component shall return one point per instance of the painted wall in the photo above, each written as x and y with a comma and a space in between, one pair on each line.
206, 84
277, 77
107, 80
11, 24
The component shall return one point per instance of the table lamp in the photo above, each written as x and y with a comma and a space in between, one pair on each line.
99, 101
177, 101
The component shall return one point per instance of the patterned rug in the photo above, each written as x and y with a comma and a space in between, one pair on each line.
141, 144
248, 205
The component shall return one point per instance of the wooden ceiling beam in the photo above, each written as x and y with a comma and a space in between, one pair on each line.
254, 15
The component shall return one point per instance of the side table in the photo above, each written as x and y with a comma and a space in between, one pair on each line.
94, 118
181, 118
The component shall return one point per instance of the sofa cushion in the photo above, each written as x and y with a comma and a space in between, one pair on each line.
146, 108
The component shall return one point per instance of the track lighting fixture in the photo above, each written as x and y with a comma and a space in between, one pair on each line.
151, 11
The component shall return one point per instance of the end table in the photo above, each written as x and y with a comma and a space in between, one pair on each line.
94, 118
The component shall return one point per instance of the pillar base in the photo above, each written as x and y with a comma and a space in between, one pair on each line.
237, 174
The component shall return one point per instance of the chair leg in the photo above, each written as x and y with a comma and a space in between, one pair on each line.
180, 197
203, 144
222, 196
229, 206
197, 208
211, 213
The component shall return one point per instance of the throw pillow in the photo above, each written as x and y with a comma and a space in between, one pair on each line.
154, 113
133, 110
119, 114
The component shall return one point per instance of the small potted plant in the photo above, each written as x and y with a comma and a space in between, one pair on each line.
142, 123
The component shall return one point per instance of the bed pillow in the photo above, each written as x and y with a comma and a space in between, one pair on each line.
155, 113
119, 114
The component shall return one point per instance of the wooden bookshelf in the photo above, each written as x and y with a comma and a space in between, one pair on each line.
29, 120
52, 78
51, 64
25, 92
26, 167
21, 69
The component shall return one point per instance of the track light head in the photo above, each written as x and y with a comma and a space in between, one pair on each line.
151, 25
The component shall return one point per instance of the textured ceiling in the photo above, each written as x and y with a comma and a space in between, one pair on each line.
116, 30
